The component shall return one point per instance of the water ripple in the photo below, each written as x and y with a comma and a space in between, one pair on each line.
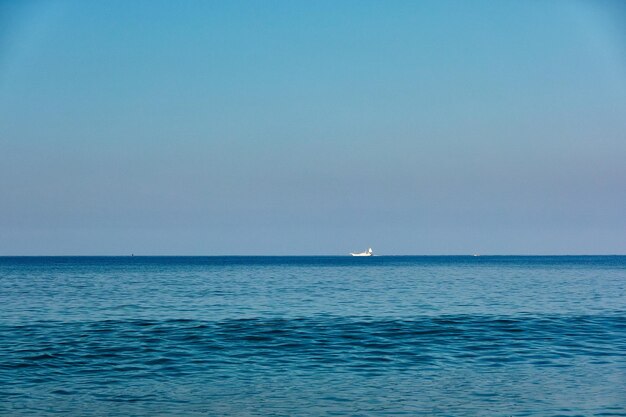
181, 345
462, 336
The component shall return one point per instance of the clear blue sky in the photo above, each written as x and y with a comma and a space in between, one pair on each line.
317, 127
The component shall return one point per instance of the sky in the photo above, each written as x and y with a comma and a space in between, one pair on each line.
312, 127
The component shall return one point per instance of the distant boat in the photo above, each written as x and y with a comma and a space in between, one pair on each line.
368, 253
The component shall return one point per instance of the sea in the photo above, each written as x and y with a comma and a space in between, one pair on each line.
313, 336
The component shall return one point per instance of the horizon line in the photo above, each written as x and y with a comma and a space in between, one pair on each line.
305, 256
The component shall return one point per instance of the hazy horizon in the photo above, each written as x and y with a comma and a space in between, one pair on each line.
321, 128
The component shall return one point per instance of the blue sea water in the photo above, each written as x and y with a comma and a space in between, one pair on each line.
313, 336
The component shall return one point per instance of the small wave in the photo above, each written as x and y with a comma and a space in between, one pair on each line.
538, 341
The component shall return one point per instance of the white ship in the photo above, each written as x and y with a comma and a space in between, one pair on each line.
368, 253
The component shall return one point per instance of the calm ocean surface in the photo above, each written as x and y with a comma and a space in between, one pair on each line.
313, 336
